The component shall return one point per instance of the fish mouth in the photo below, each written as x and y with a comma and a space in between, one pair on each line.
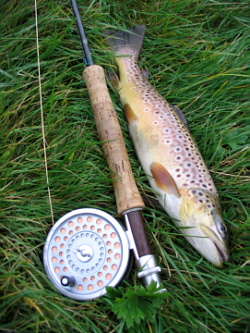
220, 246
223, 256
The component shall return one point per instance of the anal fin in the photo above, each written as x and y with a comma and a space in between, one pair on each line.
113, 79
163, 179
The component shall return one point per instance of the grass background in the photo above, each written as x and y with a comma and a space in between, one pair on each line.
196, 54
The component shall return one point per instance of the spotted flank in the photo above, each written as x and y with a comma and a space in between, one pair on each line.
168, 154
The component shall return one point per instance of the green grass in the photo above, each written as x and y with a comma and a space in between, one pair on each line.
196, 54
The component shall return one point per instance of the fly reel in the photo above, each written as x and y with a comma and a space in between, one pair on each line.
86, 251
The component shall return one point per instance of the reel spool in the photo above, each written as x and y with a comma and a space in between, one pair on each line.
86, 251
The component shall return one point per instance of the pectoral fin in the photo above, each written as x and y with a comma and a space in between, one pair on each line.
163, 179
129, 113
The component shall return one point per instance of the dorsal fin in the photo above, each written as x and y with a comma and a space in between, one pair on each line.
181, 115
163, 179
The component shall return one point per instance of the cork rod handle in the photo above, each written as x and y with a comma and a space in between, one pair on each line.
109, 131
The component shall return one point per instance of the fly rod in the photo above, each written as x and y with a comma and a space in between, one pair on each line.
87, 249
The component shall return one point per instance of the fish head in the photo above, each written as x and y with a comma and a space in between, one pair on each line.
200, 210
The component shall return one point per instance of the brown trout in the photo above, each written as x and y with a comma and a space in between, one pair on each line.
169, 156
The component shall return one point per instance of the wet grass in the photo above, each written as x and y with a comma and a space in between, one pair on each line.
196, 54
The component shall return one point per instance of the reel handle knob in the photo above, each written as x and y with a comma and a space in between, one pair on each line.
109, 131
68, 281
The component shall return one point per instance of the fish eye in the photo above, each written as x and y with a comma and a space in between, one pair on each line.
222, 229
220, 225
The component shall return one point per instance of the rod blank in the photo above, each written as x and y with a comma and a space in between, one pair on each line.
82, 34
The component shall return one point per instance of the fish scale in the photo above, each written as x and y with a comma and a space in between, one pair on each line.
168, 154
185, 162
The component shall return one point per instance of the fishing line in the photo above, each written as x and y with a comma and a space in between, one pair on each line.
42, 118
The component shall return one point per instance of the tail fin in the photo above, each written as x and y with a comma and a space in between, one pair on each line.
127, 42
